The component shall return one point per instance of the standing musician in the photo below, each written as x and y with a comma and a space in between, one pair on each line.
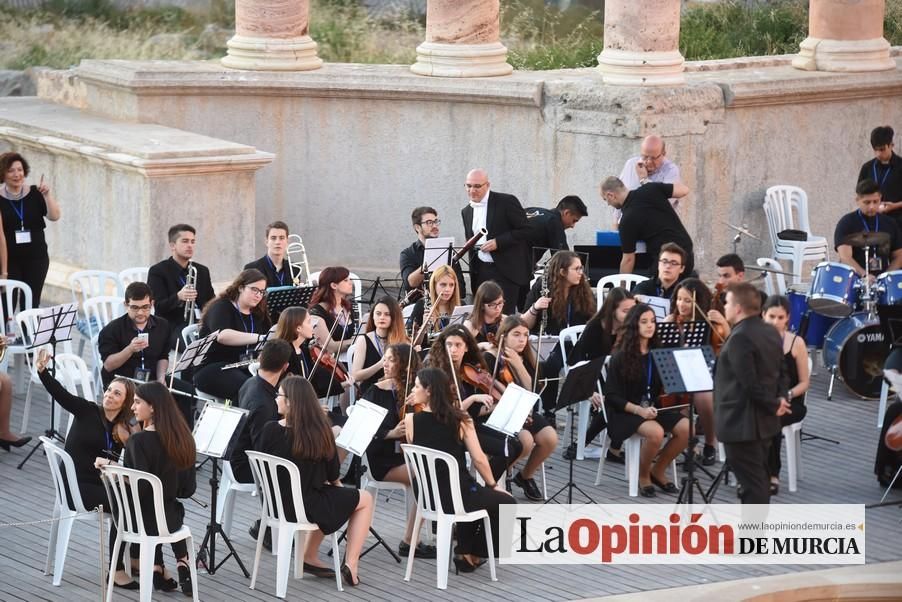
168, 280
692, 302
444, 297
886, 170
384, 327
795, 359
274, 265
632, 391
548, 226
516, 363
240, 316
749, 388
568, 302
671, 268
487, 314
504, 254
386, 462
425, 224
867, 219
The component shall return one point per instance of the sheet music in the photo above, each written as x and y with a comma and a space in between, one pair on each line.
548, 343
215, 428
660, 305
694, 370
460, 313
436, 252
361, 427
511, 411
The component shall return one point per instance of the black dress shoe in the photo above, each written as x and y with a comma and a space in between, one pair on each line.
647, 491
569, 452
163, 584
667, 487
530, 489
709, 455
615, 458
319, 571
7, 443
185, 583
130, 585
421, 551
347, 577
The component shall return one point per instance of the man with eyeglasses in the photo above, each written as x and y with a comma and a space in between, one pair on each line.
426, 224
503, 255
671, 267
651, 165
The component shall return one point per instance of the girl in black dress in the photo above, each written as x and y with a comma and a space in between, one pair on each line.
386, 462
164, 448
296, 326
488, 311
304, 436
97, 434
330, 303
445, 427
631, 394
240, 316
22, 212
444, 296
795, 357
384, 327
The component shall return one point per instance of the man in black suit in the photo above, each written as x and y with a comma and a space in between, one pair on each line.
503, 255
275, 265
750, 392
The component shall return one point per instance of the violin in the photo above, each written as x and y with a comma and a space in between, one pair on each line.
322, 357
893, 438
482, 380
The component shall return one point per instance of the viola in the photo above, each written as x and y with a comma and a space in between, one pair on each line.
482, 380
327, 360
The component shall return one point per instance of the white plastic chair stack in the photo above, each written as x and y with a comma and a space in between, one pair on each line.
421, 463
122, 485
627, 281
774, 284
99, 312
129, 275
229, 487
72, 372
84, 285
779, 204
265, 469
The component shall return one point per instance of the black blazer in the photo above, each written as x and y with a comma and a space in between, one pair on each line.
748, 383
507, 224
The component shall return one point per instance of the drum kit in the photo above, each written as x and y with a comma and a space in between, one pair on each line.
838, 315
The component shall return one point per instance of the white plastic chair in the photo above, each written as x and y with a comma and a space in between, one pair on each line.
627, 281
774, 284
265, 469
571, 335
100, 311
122, 485
86, 284
10, 290
793, 436
72, 372
229, 487
189, 334
129, 275
421, 463
779, 204
64, 514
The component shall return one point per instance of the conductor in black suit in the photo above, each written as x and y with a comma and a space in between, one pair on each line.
750, 391
503, 255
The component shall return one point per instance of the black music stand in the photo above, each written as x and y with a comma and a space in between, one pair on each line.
578, 386
280, 298
54, 326
443, 257
194, 353
371, 291
687, 334
675, 381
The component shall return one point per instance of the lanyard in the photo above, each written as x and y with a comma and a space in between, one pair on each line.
865, 223
109, 441
885, 175
305, 368
648, 379
20, 211
279, 274
244, 324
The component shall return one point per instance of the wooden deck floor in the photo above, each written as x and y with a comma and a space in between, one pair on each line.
832, 474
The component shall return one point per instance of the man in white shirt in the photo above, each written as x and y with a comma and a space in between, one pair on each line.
652, 165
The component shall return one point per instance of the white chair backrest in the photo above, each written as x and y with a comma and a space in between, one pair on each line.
11, 291
129, 275
72, 372
569, 335
102, 310
784, 200
774, 284
422, 463
27, 323
93, 283
265, 468
627, 281
189, 334
123, 486
61, 462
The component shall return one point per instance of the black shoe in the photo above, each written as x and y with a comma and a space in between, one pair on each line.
774, 488
709, 455
421, 551
185, 582
570, 452
6, 444
462, 565
347, 577
615, 458
130, 585
254, 531
163, 584
647, 491
530, 489
667, 487
319, 571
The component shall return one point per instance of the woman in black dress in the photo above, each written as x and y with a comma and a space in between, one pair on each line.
296, 326
631, 394
22, 212
795, 358
304, 436
330, 303
384, 327
445, 427
97, 434
488, 311
240, 316
386, 462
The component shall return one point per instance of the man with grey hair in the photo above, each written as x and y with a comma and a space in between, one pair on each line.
651, 165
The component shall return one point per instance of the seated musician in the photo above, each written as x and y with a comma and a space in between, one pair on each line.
693, 302
867, 219
274, 265
444, 296
168, 280
239, 314
631, 394
487, 314
516, 363
335, 330
671, 269
731, 269
384, 327
426, 225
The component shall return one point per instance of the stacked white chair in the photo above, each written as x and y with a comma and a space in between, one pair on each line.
100, 311
780, 202
84, 285
129, 275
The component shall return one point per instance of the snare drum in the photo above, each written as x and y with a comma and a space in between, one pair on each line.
855, 348
818, 325
833, 289
889, 288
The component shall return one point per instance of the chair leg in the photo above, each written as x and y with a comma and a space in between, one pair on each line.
544, 483
283, 558
582, 426
27, 409
62, 546
605, 446
487, 527
192, 568
117, 545
145, 579
791, 459
884, 395
797, 440
633, 448
443, 552
336, 562
414, 537
259, 552
676, 473
51, 543
300, 547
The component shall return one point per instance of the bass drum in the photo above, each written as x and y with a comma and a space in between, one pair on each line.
856, 350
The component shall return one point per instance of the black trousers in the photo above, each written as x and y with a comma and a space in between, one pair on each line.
500, 449
551, 368
514, 294
773, 457
471, 536
748, 460
214, 380
32, 271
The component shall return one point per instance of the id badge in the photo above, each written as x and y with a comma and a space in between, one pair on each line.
142, 374
398, 446
875, 264
23, 237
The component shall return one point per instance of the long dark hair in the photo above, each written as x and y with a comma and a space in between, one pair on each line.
438, 353
169, 423
396, 332
702, 294
403, 359
125, 414
605, 315
441, 400
508, 324
289, 320
628, 342
230, 294
488, 292
323, 293
579, 297
309, 430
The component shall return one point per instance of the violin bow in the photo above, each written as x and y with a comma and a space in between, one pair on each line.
498, 359
316, 342
705, 318
341, 314
454, 376
414, 340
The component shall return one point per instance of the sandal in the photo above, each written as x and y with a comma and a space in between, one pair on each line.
647, 490
185, 582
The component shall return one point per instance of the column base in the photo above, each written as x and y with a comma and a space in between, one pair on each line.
271, 54
817, 54
461, 60
628, 68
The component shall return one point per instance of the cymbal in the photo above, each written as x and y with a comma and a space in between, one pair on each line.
867, 239
741, 230
769, 270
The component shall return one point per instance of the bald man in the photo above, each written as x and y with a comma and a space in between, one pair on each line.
652, 165
503, 254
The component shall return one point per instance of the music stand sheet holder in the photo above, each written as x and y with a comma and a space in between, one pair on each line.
280, 298
512, 409
687, 334
194, 353
437, 252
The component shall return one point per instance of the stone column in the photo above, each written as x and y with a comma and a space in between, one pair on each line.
845, 35
462, 40
641, 43
271, 35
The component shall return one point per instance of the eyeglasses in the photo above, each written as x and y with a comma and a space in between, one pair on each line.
670, 262
650, 158
139, 307
496, 304
256, 291
431, 222
475, 186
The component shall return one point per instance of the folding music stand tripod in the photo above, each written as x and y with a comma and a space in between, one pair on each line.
54, 326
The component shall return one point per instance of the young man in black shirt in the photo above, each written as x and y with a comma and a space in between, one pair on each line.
671, 268
425, 223
867, 218
168, 278
548, 226
274, 264
885, 169
647, 215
